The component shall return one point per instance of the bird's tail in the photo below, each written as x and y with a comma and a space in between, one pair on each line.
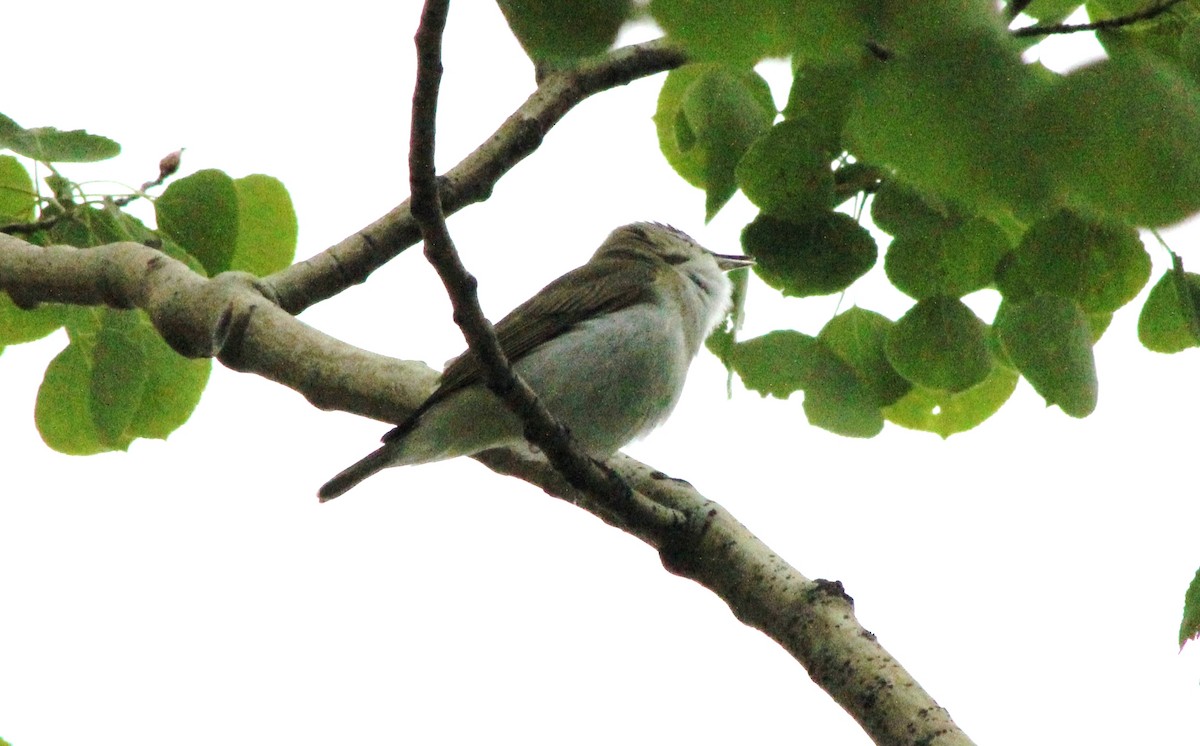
355, 473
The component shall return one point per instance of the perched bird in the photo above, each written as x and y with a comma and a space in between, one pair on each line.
606, 347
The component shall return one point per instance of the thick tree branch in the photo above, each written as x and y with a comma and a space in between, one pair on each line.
230, 318
541, 427
353, 259
1101, 25
227, 317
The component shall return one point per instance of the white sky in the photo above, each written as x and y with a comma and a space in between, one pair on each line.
1029, 573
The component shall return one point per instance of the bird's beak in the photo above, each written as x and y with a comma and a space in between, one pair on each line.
732, 261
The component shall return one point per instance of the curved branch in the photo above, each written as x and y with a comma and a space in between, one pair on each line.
229, 317
354, 258
1101, 25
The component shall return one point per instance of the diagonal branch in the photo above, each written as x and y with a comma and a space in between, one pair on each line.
229, 317
541, 428
1101, 25
352, 260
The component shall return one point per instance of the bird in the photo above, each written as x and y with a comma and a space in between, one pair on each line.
606, 347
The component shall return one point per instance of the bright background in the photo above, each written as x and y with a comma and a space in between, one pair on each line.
1030, 573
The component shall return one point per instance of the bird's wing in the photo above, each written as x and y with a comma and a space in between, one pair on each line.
598, 287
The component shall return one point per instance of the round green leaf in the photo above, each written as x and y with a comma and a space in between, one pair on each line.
116, 381
117, 377
739, 32
858, 336
947, 413
1165, 323
835, 398
1189, 49
558, 30
1159, 35
17, 325
1049, 340
948, 259
18, 200
1102, 266
773, 364
63, 409
832, 31
707, 116
1051, 11
940, 344
787, 174
171, 390
267, 227
949, 117
1122, 137
899, 208
820, 99
200, 213
819, 256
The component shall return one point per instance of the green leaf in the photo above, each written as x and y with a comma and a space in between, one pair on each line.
17, 325
1189, 49
739, 32
949, 117
940, 344
953, 258
1051, 11
858, 336
116, 381
63, 411
117, 377
52, 145
1102, 266
267, 227
200, 213
1049, 340
745, 31
899, 208
773, 364
833, 31
1122, 138
18, 200
1165, 323
707, 117
835, 399
1159, 36
819, 256
564, 30
820, 99
1189, 627
172, 388
87, 227
947, 413
838, 401
787, 174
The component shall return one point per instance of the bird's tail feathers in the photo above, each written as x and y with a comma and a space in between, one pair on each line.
355, 473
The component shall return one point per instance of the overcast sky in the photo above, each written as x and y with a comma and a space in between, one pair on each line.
1029, 574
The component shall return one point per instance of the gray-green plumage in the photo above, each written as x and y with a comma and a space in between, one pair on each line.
606, 347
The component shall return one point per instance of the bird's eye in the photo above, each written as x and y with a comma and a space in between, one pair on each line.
675, 258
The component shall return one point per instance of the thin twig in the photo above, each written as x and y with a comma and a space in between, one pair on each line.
541, 428
1101, 25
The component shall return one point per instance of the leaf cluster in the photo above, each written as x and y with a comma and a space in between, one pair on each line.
117, 380
987, 171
